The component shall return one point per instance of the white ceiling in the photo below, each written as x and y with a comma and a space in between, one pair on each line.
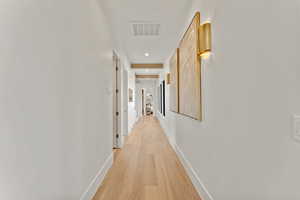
170, 14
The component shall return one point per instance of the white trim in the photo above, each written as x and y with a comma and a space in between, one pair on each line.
160, 118
96, 182
201, 189
165, 129
130, 128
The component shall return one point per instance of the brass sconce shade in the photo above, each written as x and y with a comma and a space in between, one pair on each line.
205, 39
168, 78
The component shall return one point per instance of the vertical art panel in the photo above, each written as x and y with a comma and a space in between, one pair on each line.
190, 72
174, 82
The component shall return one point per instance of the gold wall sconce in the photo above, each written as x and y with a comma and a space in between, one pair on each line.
205, 40
168, 78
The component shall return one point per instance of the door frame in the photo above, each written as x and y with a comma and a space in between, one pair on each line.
117, 102
143, 102
125, 97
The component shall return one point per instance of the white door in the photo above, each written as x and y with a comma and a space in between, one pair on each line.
125, 102
117, 139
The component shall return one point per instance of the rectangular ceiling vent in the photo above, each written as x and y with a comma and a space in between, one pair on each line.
145, 29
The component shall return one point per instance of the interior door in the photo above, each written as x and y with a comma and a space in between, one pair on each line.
117, 140
125, 94
143, 102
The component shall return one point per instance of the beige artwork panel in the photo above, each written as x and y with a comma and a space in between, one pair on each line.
190, 72
174, 82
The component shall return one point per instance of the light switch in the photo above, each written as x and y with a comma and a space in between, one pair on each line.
297, 127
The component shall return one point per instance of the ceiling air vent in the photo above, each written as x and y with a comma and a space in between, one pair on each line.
145, 29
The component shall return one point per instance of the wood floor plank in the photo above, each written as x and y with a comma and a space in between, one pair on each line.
147, 168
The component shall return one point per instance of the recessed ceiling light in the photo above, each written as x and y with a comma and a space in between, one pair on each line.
147, 54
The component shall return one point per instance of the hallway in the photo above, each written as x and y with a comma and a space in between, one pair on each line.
147, 168
79, 80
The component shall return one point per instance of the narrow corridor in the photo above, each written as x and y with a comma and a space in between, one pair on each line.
147, 168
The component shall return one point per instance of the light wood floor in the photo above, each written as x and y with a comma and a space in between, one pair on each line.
147, 168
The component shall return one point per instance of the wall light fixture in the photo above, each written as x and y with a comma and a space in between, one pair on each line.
205, 40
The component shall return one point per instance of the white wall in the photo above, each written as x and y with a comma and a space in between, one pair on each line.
243, 149
167, 122
55, 98
128, 114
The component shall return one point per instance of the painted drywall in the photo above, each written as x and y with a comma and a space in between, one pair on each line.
55, 98
243, 148
167, 122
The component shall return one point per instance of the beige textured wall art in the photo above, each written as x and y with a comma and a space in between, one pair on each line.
190, 72
174, 82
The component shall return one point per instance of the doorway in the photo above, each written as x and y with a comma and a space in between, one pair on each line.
125, 97
117, 139
149, 104
143, 102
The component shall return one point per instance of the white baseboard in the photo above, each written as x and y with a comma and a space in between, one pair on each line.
201, 189
165, 129
130, 129
160, 118
198, 184
96, 182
